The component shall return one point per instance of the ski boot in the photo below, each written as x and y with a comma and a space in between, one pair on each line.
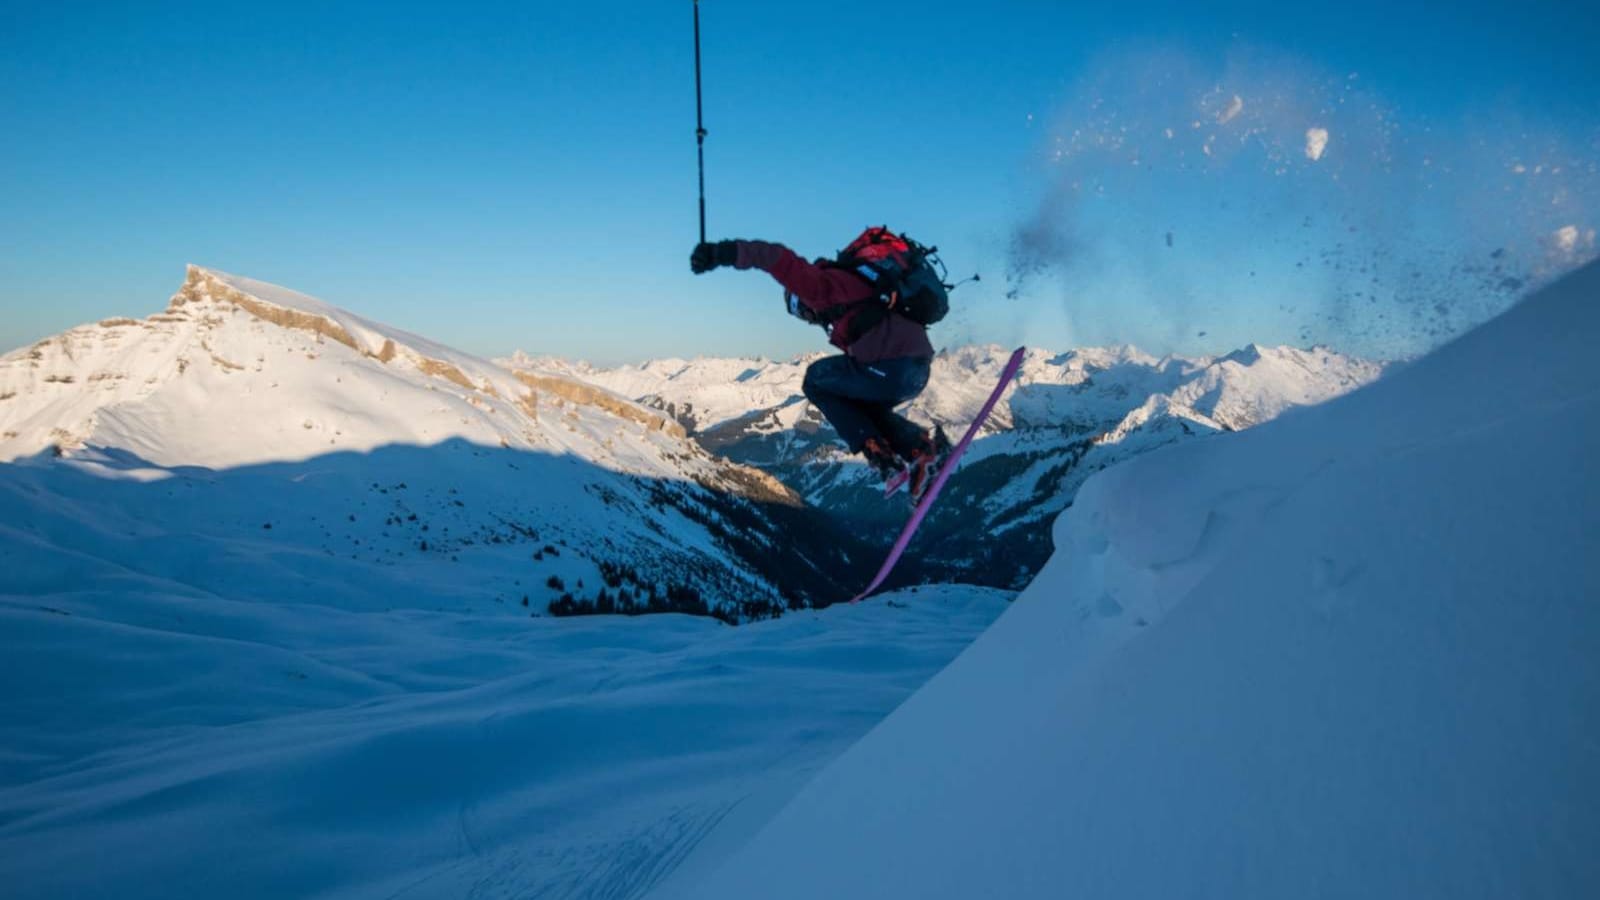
926, 461
881, 457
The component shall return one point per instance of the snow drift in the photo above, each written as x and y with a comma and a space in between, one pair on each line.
1347, 653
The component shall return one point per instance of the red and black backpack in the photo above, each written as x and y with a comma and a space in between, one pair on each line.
908, 278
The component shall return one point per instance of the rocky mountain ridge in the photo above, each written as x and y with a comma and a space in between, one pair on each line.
242, 381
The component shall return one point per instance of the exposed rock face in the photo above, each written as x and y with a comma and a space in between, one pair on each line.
203, 287
590, 395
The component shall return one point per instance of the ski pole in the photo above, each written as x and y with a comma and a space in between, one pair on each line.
700, 122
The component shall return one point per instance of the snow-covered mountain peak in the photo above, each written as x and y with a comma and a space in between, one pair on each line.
257, 372
293, 310
1083, 358
268, 388
1256, 383
1248, 355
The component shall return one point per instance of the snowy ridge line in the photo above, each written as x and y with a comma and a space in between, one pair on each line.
292, 309
118, 382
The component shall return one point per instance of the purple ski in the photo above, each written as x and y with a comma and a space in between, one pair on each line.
949, 467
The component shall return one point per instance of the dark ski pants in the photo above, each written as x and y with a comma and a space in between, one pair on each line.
858, 399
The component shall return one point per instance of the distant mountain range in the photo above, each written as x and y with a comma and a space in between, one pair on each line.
1069, 415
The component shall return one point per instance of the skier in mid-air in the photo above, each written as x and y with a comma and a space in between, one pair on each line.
875, 300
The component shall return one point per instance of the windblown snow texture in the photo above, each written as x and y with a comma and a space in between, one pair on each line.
1347, 653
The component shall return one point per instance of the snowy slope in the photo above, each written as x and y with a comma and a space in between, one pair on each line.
266, 409
164, 734
272, 591
1347, 653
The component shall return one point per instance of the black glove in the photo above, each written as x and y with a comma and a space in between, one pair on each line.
708, 256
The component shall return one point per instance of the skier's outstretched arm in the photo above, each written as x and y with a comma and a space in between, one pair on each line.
818, 287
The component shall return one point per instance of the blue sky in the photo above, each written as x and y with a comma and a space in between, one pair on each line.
522, 175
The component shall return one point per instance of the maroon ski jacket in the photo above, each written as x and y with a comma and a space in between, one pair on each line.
822, 288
